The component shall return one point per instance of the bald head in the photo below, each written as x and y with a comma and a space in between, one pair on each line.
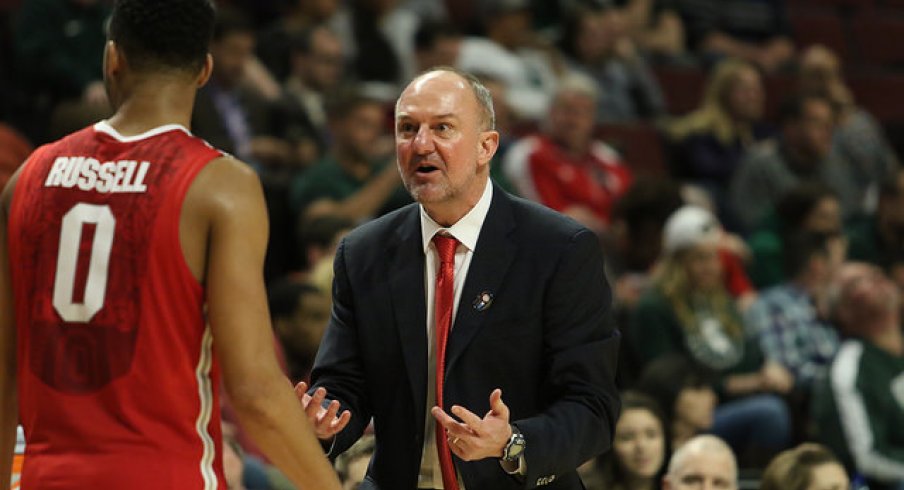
702, 462
481, 93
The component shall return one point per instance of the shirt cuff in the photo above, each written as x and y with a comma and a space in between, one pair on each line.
510, 468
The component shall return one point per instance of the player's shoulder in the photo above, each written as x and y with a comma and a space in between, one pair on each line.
225, 182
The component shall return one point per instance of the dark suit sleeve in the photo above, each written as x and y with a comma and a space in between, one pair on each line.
338, 364
581, 349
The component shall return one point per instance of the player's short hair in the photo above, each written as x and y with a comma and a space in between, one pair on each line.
163, 34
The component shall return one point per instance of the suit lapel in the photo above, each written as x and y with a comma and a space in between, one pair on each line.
405, 275
492, 258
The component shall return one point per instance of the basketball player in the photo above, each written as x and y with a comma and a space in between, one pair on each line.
132, 257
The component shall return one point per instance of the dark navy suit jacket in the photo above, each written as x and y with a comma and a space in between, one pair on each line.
545, 340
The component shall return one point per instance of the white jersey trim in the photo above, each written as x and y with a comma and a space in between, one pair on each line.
855, 418
106, 128
205, 394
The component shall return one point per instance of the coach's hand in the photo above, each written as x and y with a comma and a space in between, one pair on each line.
477, 438
327, 421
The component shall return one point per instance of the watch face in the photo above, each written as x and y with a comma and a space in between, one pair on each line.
514, 448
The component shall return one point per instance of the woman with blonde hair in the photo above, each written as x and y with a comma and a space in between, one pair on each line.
688, 311
710, 141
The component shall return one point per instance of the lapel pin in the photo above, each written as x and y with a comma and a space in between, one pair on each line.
483, 301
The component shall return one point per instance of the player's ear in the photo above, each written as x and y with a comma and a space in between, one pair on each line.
206, 70
113, 61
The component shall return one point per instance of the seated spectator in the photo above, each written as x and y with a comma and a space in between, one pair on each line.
689, 311
58, 44
228, 114
597, 43
879, 239
378, 36
300, 313
805, 467
655, 27
801, 154
808, 206
635, 237
512, 53
790, 318
703, 462
436, 44
316, 70
565, 167
709, 142
639, 449
859, 411
683, 389
859, 139
352, 464
753, 30
358, 178
274, 42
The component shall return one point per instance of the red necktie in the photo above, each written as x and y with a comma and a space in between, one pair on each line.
445, 296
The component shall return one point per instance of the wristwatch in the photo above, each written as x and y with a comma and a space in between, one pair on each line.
515, 447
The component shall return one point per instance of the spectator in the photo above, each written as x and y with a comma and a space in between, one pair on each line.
801, 154
683, 389
655, 27
639, 449
805, 467
299, 312
357, 179
229, 114
689, 311
565, 167
597, 43
710, 142
512, 53
316, 64
379, 39
790, 318
274, 42
436, 44
636, 234
808, 206
59, 44
859, 139
352, 464
703, 462
879, 239
753, 30
860, 409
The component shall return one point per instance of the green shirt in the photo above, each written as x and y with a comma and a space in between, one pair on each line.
328, 180
859, 410
655, 331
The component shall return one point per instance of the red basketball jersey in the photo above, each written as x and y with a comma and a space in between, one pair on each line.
117, 378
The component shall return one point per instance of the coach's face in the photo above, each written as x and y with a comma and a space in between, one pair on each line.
443, 146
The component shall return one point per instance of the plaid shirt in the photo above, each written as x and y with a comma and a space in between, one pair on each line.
791, 332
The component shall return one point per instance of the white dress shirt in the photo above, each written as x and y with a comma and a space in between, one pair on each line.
466, 231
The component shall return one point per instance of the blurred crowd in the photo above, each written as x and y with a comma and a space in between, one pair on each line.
754, 235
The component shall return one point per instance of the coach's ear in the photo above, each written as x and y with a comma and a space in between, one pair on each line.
206, 70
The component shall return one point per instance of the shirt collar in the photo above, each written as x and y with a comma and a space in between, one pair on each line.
467, 229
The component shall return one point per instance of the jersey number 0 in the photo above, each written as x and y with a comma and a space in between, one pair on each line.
95, 287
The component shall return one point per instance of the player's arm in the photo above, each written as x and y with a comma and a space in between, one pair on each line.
261, 395
9, 406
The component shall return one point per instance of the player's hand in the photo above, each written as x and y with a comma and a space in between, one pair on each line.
327, 422
474, 438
